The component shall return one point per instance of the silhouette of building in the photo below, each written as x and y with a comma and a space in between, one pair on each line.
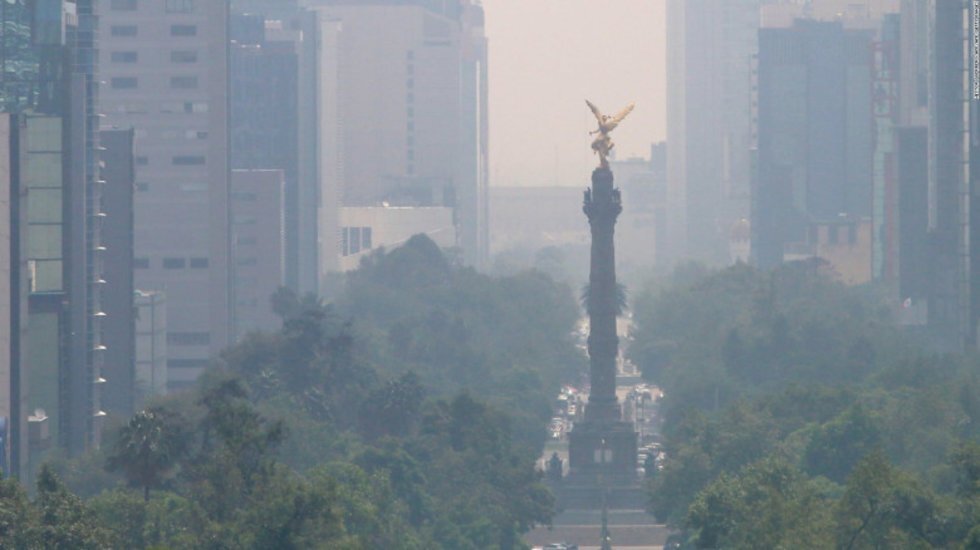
119, 325
815, 137
710, 52
403, 119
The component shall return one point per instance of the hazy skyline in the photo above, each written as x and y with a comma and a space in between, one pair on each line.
545, 58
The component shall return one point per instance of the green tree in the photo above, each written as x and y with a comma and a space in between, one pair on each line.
769, 504
19, 520
147, 448
66, 523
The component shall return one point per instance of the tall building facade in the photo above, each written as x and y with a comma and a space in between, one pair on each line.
48, 62
258, 240
119, 326
815, 139
952, 315
403, 120
710, 54
14, 290
165, 65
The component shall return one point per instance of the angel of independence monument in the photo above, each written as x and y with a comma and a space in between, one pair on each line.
602, 448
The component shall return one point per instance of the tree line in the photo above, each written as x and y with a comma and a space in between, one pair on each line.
798, 414
406, 413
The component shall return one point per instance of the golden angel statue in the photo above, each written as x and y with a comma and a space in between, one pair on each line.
603, 143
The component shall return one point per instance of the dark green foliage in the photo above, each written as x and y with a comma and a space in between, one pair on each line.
373, 422
147, 448
66, 523
791, 372
768, 504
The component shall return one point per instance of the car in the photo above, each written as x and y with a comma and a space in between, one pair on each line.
560, 546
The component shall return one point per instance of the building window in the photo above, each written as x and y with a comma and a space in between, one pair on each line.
246, 197
124, 57
183, 82
183, 56
189, 338
183, 30
180, 6
355, 240
852, 234
247, 261
186, 364
199, 263
123, 5
366, 238
142, 161
832, 234
246, 241
174, 263
124, 83
196, 107
142, 186
123, 30
141, 263
188, 160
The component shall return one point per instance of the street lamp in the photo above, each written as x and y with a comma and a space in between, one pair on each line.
606, 539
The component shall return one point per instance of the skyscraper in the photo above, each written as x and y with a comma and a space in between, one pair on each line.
49, 64
814, 138
119, 325
403, 118
710, 51
165, 65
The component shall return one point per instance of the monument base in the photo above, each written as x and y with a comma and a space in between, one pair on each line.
602, 452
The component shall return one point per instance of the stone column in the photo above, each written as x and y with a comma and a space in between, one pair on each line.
602, 206
602, 447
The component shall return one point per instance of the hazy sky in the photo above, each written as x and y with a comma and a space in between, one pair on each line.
545, 58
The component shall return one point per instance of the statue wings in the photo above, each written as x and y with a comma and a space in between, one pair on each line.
607, 124
622, 114
595, 110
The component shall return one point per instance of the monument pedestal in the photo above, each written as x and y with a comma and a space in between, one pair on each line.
606, 449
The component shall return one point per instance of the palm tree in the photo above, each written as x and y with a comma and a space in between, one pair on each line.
146, 449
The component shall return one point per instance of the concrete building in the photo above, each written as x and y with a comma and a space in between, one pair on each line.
48, 57
641, 232
953, 233
151, 344
272, 66
815, 139
710, 53
913, 254
402, 120
14, 291
367, 228
119, 325
258, 247
165, 63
